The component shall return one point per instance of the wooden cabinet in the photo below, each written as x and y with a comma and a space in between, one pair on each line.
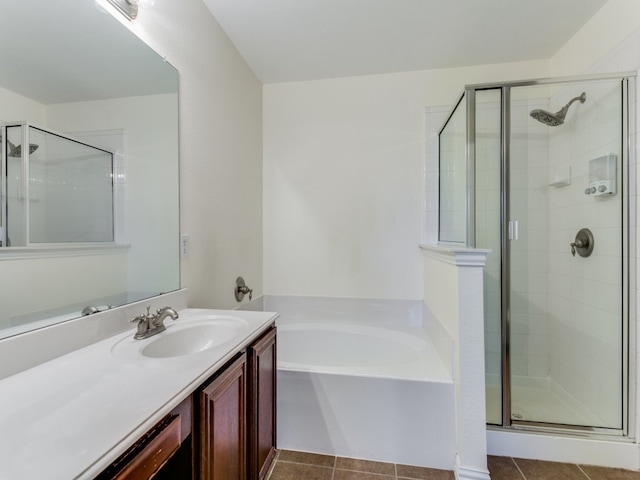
262, 405
238, 415
223, 424
226, 430
164, 452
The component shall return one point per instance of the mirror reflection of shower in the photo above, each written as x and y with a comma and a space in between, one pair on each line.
62, 195
555, 119
15, 151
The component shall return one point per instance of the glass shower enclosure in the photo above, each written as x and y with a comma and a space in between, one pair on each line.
58, 191
537, 172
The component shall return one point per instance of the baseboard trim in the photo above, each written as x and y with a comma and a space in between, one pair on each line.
468, 473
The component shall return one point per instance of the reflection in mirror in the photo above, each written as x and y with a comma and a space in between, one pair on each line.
68, 195
98, 232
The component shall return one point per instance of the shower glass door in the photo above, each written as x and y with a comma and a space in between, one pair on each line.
565, 289
487, 140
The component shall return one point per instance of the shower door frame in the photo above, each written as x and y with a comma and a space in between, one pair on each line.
3, 188
627, 80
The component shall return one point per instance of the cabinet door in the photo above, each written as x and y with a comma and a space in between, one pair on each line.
223, 425
262, 405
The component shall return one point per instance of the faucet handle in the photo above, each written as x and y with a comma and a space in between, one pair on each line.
138, 318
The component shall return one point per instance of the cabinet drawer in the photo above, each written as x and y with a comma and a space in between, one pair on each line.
157, 449
151, 458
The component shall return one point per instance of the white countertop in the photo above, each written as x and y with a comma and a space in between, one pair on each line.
70, 417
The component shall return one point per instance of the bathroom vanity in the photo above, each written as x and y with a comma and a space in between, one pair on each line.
125, 408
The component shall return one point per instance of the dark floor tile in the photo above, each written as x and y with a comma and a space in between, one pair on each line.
503, 468
351, 475
299, 471
422, 473
539, 470
366, 466
602, 473
307, 458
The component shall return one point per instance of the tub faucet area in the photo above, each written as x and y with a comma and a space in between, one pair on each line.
151, 324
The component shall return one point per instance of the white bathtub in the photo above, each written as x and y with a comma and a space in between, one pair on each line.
362, 379
355, 349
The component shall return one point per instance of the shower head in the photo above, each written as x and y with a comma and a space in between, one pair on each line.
15, 151
555, 119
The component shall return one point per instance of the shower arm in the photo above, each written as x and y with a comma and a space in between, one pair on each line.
563, 110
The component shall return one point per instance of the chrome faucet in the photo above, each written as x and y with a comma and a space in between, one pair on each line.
150, 324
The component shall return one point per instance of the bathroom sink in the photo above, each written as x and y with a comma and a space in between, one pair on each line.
192, 339
184, 337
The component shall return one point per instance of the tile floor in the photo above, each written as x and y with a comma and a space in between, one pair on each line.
504, 468
291, 465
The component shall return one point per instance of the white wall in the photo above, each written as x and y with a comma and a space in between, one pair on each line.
344, 176
220, 149
604, 44
16, 108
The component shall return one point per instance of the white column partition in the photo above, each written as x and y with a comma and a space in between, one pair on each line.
453, 294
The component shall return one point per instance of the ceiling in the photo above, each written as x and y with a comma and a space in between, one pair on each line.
293, 40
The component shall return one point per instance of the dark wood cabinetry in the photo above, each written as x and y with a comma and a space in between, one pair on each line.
226, 430
164, 452
223, 424
238, 415
262, 405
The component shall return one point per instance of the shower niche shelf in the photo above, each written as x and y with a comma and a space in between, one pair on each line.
561, 176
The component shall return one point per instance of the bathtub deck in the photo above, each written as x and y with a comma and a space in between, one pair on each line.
429, 368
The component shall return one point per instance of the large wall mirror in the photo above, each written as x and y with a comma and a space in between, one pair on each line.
80, 227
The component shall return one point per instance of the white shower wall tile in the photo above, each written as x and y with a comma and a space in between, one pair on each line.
600, 323
610, 389
537, 325
538, 366
626, 57
538, 345
562, 211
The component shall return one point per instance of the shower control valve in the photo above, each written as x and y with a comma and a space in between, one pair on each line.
583, 244
242, 290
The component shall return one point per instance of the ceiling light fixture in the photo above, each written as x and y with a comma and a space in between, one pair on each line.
129, 8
